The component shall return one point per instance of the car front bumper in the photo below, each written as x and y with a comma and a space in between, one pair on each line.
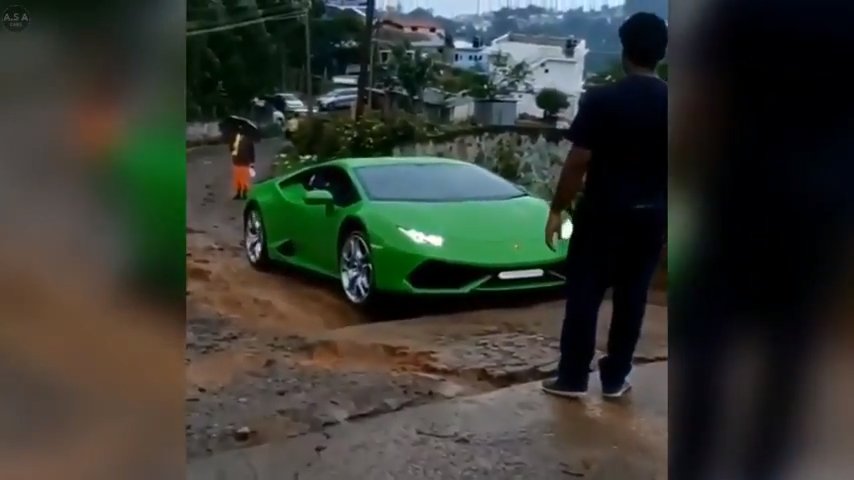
398, 271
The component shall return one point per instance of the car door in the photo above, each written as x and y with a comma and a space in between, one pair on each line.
284, 220
320, 224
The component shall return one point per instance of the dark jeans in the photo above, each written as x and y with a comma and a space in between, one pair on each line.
608, 250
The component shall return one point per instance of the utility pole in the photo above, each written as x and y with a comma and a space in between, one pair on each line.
367, 47
371, 73
308, 78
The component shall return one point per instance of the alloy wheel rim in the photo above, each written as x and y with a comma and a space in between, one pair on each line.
253, 240
356, 269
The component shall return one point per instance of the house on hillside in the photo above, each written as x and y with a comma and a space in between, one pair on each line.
470, 55
424, 35
411, 25
436, 105
555, 62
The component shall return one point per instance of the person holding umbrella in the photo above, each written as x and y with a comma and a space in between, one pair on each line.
242, 153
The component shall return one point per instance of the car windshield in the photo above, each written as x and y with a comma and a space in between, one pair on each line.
434, 182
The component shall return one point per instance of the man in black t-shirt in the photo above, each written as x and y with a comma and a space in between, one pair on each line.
619, 159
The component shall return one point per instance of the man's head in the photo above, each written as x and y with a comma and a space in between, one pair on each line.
644, 39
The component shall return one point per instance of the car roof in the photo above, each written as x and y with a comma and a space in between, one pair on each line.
351, 163
380, 161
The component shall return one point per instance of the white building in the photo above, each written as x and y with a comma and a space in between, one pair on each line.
555, 62
470, 56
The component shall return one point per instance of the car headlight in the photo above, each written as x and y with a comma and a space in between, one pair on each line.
422, 238
566, 230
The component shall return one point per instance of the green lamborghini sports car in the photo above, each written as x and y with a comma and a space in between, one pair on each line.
403, 225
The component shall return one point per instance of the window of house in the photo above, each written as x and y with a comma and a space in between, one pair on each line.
471, 57
441, 50
384, 56
456, 57
547, 70
432, 29
414, 29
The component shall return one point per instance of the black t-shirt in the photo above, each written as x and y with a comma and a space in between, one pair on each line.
624, 125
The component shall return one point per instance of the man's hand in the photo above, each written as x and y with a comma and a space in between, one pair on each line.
553, 224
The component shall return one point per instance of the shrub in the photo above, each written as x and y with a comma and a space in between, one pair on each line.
370, 136
552, 101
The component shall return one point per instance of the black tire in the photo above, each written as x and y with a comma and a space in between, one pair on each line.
256, 254
367, 301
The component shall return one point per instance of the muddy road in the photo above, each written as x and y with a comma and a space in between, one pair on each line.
277, 355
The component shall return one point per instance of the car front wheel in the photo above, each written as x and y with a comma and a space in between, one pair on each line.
357, 270
254, 242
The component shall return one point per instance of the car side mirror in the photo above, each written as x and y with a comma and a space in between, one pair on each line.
318, 197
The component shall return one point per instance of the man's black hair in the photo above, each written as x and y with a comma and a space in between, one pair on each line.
644, 39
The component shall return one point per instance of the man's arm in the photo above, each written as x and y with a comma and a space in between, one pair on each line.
582, 133
571, 178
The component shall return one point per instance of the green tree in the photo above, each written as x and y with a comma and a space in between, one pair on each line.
502, 79
551, 101
227, 68
663, 71
411, 72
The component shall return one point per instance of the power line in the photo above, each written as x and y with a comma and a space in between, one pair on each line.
237, 11
241, 6
245, 23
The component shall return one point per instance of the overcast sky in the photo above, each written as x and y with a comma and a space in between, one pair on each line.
449, 8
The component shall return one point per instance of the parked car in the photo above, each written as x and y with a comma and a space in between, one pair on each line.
337, 97
342, 102
286, 102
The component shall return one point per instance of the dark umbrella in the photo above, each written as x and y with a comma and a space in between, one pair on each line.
233, 125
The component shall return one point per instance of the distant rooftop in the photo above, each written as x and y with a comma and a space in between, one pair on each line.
533, 39
411, 22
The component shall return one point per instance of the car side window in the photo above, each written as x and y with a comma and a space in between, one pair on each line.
336, 181
316, 180
343, 191
301, 180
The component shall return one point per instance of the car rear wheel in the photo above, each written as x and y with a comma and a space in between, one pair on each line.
254, 242
357, 269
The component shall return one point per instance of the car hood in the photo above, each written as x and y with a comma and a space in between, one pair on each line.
477, 231
473, 220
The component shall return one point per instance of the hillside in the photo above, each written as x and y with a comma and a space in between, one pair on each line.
598, 28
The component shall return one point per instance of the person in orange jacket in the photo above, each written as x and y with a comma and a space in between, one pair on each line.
243, 160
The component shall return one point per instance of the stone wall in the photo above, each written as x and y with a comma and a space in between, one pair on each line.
203, 133
530, 156
208, 133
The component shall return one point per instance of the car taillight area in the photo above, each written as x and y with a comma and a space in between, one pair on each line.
439, 275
